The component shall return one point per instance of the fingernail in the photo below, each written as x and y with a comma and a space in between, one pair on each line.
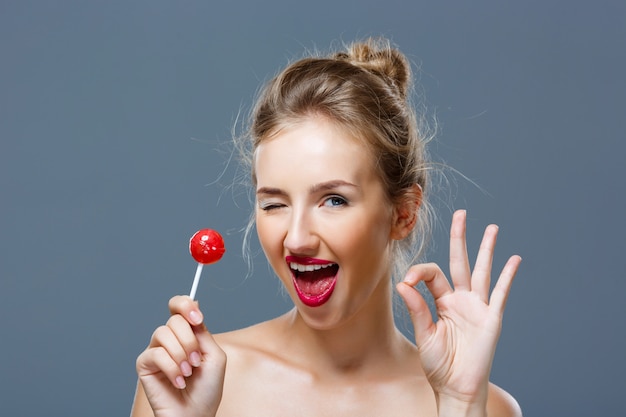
180, 382
195, 317
185, 368
195, 359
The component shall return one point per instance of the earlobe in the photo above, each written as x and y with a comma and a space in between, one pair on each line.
405, 213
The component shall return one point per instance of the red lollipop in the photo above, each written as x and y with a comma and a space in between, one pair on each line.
206, 247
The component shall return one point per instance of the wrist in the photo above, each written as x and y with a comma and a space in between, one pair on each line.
448, 406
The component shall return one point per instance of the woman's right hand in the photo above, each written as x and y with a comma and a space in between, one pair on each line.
182, 370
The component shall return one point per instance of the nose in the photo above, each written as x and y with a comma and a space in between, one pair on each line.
301, 237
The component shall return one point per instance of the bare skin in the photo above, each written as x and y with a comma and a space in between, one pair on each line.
367, 380
346, 357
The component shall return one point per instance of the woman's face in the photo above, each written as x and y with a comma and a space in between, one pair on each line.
324, 220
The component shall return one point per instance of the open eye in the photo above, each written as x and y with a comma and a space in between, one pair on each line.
335, 201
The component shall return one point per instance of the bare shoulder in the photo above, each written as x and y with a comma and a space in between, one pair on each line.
502, 404
249, 346
252, 361
253, 337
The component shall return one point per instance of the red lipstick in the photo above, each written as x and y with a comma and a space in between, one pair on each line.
306, 261
313, 286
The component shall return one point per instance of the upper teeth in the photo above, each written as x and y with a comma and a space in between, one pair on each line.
307, 268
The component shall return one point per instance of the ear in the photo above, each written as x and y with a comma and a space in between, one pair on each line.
405, 213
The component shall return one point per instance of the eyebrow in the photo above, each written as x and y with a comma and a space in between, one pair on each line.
330, 185
270, 191
323, 186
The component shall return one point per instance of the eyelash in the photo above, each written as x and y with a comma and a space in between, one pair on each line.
270, 207
336, 198
330, 201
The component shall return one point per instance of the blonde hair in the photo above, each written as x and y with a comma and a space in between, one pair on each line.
366, 90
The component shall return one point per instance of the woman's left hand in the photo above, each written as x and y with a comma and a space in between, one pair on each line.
457, 350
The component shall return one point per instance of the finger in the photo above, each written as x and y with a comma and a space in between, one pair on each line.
432, 276
166, 338
186, 307
186, 338
418, 310
502, 288
459, 263
481, 276
210, 350
158, 360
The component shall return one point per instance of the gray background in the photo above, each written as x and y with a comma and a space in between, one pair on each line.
115, 122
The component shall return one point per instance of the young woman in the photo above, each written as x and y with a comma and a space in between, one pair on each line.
341, 184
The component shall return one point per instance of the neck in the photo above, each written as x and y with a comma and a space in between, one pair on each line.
365, 342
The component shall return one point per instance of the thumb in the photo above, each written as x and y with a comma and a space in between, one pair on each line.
418, 310
208, 345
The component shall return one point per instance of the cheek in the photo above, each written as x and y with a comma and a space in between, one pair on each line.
262, 230
270, 238
367, 235
272, 244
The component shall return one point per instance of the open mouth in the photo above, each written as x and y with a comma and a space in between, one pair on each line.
314, 282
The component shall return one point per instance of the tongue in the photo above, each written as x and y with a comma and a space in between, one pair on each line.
315, 282
314, 287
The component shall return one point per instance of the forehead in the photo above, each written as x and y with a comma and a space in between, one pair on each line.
313, 148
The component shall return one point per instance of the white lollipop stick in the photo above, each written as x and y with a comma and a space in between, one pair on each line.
196, 280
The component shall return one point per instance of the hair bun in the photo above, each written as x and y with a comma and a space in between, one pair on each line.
378, 57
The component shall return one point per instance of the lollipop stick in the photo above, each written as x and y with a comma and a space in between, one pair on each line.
196, 279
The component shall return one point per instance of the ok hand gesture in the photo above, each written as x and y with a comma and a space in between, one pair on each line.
457, 350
